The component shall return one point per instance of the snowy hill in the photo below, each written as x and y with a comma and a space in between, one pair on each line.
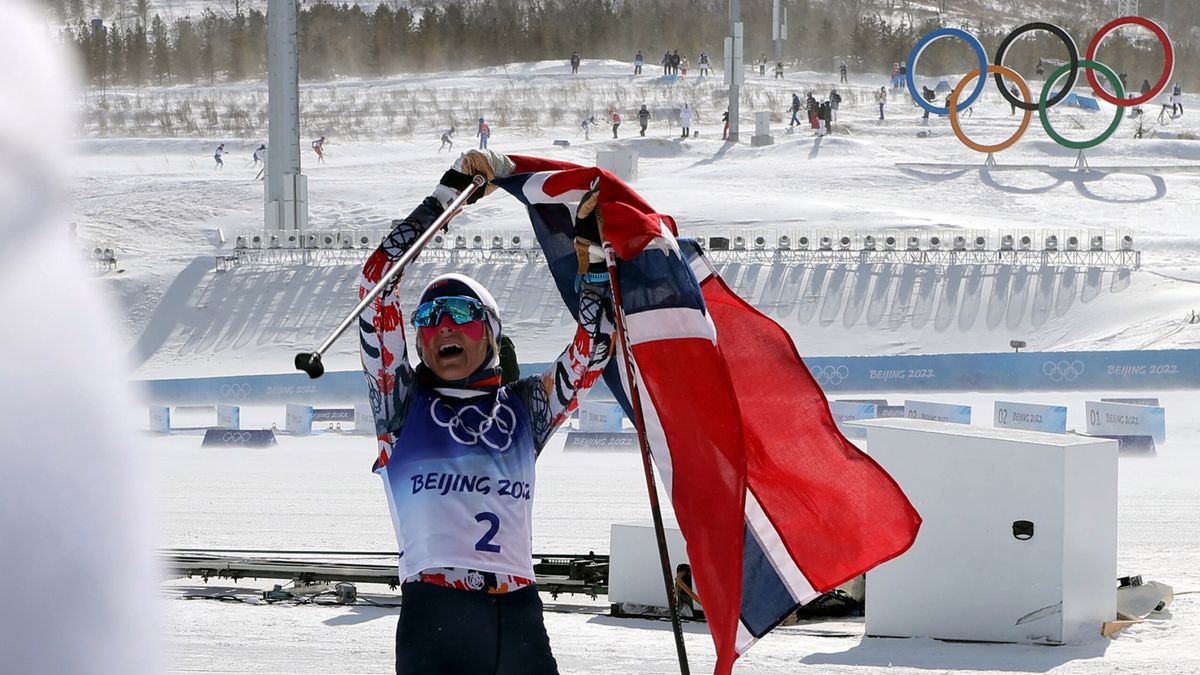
160, 202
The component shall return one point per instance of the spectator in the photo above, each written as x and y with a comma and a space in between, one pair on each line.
705, 67
685, 120
685, 598
615, 117
484, 133
842, 70
666, 62
811, 107
835, 101
675, 61
683, 66
779, 70
795, 110
762, 64
643, 119
637, 63
1176, 100
725, 121
881, 99
574, 63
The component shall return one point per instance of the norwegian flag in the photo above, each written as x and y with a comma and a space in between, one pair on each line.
775, 504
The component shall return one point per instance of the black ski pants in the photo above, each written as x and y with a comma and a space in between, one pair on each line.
453, 632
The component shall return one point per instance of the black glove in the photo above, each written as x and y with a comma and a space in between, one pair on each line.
587, 237
459, 181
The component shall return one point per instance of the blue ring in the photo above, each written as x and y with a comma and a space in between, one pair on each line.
920, 47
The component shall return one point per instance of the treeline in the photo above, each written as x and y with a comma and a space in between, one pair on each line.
341, 40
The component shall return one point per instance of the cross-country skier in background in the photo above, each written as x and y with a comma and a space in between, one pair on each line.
456, 447
587, 125
217, 154
447, 140
260, 157
615, 118
318, 147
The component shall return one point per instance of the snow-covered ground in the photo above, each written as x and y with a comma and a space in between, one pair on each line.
159, 201
317, 493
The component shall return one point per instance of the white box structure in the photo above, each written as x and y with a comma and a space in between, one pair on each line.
762, 129
1019, 539
623, 163
634, 571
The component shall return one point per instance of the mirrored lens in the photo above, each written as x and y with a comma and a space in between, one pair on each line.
461, 310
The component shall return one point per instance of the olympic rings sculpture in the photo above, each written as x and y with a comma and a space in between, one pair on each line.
1045, 101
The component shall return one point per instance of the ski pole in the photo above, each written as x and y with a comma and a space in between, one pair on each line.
639, 423
311, 362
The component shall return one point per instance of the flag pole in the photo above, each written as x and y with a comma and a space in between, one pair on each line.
639, 423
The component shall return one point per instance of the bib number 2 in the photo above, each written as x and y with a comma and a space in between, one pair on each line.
485, 542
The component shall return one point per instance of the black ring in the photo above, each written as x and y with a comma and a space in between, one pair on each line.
1072, 52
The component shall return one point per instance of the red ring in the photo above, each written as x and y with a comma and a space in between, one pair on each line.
1168, 59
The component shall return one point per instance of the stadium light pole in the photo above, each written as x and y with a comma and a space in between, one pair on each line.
734, 70
778, 27
286, 189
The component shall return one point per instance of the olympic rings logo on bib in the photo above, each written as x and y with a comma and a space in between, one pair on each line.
469, 426
1048, 98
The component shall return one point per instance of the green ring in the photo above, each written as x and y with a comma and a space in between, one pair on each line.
1054, 78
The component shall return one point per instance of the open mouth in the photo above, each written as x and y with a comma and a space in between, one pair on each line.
449, 350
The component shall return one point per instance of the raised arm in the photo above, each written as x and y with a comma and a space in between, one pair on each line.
552, 396
382, 342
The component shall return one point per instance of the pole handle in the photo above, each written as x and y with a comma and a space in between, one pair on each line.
311, 362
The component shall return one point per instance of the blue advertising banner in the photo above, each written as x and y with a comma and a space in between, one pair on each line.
1123, 419
1005, 371
847, 411
1030, 417
937, 412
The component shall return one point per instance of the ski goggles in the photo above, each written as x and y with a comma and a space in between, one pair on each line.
460, 308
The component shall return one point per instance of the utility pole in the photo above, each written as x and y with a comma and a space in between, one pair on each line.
734, 69
286, 194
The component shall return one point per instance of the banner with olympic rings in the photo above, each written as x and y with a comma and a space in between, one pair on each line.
1049, 97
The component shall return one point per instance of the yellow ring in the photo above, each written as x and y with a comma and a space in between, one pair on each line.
992, 69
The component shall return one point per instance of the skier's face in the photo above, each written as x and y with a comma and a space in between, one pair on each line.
451, 350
